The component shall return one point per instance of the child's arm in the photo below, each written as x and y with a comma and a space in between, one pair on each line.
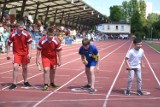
98, 61
59, 58
83, 58
142, 62
127, 63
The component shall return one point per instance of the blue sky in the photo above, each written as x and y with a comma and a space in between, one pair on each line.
104, 5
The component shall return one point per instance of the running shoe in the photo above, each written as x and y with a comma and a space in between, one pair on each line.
54, 85
86, 86
26, 84
139, 92
45, 88
127, 92
92, 91
12, 87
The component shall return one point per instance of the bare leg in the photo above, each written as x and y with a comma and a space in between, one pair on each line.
24, 74
87, 71
15, 73
52, 75
46, 75
92, 76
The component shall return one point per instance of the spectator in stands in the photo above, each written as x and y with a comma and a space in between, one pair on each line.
5, 36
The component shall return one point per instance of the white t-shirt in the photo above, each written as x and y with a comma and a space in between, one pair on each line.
134, 57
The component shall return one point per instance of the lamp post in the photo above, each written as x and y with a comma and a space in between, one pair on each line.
151, 33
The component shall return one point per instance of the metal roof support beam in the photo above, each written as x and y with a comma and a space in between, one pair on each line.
77, 22
46, 15
65, 24
61, 19
80, 20
42, 2
73, 21
22, 9
68, 20
75, 9
4, 6
83, 25
70, 23
88, 24
54, 21
35, 18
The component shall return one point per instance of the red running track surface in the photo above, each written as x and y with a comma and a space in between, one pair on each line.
111, 80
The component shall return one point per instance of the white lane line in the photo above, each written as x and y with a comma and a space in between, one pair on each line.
152, 70
85, 100
6, 77
153, 48
79, 93
39, 102
63, 75
57, 90
113, 51
109, 92
71, 69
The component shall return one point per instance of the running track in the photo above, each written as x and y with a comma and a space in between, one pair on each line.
111, 80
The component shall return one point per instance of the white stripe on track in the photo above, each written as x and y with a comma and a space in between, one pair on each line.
152, 70
114, 81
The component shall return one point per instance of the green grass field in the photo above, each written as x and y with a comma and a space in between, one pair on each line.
153, 45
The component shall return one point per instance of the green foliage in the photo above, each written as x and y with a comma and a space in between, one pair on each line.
155, 46
136, 23
115, 13
134, 11
153, 17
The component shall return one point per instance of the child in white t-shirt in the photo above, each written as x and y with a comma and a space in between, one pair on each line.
134, 62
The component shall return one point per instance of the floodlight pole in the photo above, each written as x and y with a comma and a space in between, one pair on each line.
151, 33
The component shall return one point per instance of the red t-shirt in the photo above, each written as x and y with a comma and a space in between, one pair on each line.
49, 49
20, 42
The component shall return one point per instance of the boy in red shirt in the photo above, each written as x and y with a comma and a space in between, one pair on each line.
50, 48
21, 40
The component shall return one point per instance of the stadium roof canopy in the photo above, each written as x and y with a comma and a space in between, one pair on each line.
68, 10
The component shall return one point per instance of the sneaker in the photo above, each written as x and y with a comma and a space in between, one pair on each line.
127, 92
45, 88
86, 86
139, 92
92, 91
54, 85
26, 84
12, 87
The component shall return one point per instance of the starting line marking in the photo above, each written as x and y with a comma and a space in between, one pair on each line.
144, 92
79, 90
134, 92
33, 87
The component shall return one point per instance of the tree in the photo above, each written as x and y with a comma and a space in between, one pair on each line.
115, 13
134, 12
136, 23
153, 17
125, 10
156, 30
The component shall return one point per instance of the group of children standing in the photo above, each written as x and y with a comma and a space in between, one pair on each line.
50, 49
